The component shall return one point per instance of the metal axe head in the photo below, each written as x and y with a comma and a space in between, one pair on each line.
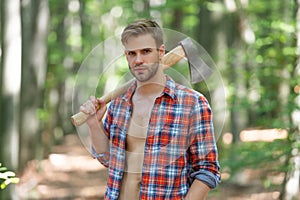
199, 70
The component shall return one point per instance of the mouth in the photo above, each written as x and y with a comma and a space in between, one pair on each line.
139, 68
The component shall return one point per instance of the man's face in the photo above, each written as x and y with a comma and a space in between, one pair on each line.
143, 56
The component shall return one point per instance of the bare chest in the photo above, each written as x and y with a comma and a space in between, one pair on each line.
140, 117
137, 131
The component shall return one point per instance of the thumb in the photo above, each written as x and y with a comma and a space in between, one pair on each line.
101, 109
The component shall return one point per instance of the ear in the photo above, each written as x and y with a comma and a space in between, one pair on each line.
161, 51
125, 55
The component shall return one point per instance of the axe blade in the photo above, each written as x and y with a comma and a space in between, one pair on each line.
199, 70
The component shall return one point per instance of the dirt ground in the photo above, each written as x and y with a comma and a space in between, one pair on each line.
71, 173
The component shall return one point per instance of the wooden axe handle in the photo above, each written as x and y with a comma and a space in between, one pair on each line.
171, 58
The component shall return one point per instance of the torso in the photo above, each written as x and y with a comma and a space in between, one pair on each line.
135, 143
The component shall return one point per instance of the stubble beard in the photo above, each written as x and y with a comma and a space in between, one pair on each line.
147, 74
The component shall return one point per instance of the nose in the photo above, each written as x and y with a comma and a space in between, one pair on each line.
138, 59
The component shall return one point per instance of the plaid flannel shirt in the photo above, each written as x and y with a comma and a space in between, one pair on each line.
180, 144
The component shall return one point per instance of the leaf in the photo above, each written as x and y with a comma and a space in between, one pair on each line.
9, 181
2, 186
15, 180
10, 174
3, 169
7, 174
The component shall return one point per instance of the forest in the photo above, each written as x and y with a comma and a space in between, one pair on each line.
55, 53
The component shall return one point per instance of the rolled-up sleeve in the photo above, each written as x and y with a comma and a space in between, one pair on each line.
103, 158
212, 180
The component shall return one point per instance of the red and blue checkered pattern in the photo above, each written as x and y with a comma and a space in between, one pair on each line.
180, 144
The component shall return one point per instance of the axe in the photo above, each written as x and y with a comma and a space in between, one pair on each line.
198, 72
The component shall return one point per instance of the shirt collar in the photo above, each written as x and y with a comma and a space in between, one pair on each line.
168, 90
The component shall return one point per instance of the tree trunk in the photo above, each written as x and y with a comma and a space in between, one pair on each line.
239, 67
10, 84
35, 16
177, 20
54, 95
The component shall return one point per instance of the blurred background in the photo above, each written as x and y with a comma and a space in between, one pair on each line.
255, 45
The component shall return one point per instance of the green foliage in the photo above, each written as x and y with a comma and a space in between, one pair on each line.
257, 154
270, 157
7, 177
267, 65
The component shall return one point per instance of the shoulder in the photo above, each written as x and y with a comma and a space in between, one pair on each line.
185, 93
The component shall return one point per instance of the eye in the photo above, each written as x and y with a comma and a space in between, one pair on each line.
130, 53
146, 51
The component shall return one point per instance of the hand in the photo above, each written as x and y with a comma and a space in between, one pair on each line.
96, 108
198, 191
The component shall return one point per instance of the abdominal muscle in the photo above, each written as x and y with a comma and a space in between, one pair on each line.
135, 143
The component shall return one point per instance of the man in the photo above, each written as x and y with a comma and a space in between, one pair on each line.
157, 139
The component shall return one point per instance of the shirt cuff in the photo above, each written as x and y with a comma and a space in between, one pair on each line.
207, 177
103, 158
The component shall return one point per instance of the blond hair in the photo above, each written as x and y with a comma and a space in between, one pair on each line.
142, 27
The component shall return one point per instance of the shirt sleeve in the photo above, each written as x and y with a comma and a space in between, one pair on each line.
203, 148
103, 158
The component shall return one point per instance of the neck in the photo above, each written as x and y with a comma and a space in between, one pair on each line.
155, 86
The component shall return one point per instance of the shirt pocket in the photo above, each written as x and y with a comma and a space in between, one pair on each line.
168, 146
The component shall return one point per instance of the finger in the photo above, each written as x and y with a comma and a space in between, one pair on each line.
101, 102
84, 110
93, 100
88, 108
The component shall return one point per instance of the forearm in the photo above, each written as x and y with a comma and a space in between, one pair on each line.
96, 108
99, 140
198, 191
